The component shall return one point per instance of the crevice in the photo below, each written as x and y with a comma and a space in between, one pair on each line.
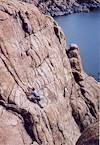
57, 33
90, 105
64, 94
36, 53
27, 117
51, 63
46, 124
51, 128
77, 76
77, 119
10, 72
3, 19
91, 108
24, 24
12, 68
60, 130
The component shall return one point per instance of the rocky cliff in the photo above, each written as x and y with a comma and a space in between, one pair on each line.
61, 7
33, 54
90, 136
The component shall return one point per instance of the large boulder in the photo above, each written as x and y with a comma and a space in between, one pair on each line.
90, 136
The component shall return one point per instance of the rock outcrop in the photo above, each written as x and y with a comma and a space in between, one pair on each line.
84, 82
33, 54
90, 136
61, 7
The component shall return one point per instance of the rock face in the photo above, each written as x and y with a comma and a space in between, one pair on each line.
90, 136
84, 82
61, 7
12, 131
33, 53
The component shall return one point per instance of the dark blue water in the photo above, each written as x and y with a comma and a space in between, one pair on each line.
84, 30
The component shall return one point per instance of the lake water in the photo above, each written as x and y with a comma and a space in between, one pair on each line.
84, 30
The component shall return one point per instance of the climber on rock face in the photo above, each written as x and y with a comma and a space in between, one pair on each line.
33, 96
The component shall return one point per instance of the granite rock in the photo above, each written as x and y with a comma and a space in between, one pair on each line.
63, 7
33, 53
90, 136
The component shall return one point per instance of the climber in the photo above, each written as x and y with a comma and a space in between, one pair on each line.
33, 96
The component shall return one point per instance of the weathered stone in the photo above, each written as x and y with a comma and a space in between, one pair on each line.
75, 61
32, 54
90, 136
61, 7
83, 118
12, 131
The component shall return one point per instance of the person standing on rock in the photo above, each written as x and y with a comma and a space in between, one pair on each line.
33, 96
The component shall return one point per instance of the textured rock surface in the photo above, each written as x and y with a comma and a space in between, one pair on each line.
90, 136
32, 54
12, 131
85, 97
61, 7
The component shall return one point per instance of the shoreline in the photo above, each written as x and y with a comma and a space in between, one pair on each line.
55, 12
66, 14
74, 27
